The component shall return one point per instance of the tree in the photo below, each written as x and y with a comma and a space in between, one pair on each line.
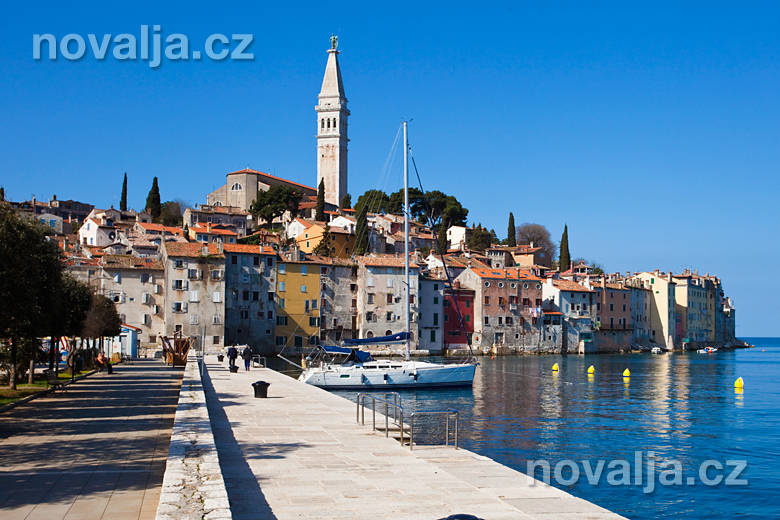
480, 238
538, 235
323, 248
170, 213
29, 268
123, 197
346, 202
72, 300
2, 194
153, 200
511, 237
319, 211
376, 201
275, 202
417, 205
361, 230
565, 258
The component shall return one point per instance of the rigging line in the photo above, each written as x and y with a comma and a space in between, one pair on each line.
386, 168
438, 246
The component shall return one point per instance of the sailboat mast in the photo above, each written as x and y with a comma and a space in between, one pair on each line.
406, 245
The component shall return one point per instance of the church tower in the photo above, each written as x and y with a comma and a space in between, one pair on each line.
332, 139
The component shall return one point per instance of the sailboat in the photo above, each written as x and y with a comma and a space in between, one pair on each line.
348, 367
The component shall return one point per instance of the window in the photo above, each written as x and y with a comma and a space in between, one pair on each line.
314, 321
370, 298
255, 296
500, 284
436, 300
487, 300
144, 278
389, 298
234, 259
512, 285
281, 286
369, 316
468, 317
525, 286
389, 316
244, 315
435, 287
304, 270
499, 320
303, 288
245, 295
281, 320
611, 307
178, 264
487, 284
280, 302
194, 296
117, 277
236, 187
298, 341
509, 320
282, 268
281, 341
468, 304
178, 285
487, 320
435, 319
216, 297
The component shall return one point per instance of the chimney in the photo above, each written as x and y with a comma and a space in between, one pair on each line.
205, 250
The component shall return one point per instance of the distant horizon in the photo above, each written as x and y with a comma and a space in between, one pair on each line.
650, 131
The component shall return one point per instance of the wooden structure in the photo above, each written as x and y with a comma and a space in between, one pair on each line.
176, 349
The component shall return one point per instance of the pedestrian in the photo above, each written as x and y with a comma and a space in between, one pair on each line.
232, 355
247, 355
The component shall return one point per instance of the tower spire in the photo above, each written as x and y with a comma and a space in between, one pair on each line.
332, 115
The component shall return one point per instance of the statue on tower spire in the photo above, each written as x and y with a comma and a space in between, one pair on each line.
334, 42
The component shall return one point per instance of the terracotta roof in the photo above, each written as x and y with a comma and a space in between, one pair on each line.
616, 287
384, 261
251, 249
508, 273
305, 223
568, 285
149, 226
250, 170
227, 210
215, 230
192, 249
130, 262
324, 260
307, 205
553, 313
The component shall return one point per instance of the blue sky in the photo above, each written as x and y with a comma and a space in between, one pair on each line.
652, 131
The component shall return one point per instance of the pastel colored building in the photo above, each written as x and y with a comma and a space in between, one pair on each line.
297, 304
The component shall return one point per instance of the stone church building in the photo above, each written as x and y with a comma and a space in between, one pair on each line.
242, 186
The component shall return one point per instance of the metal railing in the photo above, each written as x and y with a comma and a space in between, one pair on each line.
397, 410
395, 406
257, 360
447, 414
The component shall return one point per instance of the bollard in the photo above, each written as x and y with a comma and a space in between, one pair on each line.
261, 389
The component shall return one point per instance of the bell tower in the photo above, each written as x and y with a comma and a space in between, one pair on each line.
332, 139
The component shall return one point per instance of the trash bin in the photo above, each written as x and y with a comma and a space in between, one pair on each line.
234, 369
261, 388
220, 357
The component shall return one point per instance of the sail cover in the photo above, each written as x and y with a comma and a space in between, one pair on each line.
393, 338
354, 354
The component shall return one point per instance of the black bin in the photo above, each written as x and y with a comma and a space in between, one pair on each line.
261, 388
234, 369
220, 357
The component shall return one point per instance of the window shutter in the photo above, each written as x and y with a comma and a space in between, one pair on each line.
216, 297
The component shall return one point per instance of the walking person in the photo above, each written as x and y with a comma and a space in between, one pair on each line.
232, 355
247, 355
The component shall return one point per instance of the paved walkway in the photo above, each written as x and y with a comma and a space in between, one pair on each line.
300, 454
96, 451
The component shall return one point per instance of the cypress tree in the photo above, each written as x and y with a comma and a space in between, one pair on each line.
346, 201
361, 230
323, 248
319, 212
153, 205
511, 237
564, 262
123, 198
2, 194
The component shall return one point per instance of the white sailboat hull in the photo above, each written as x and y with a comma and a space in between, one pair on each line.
385, 374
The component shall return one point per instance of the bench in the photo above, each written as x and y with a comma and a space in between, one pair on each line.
54, 382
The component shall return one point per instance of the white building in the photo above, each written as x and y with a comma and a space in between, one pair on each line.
431, 315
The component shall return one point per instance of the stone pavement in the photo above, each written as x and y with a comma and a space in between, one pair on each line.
96, 451
300, 454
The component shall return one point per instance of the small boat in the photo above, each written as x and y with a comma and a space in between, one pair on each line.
656, 350
707, 350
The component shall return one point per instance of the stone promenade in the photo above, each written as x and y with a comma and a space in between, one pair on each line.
300, 454
96, 451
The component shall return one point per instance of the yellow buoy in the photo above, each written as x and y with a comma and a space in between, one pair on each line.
739, 383
626, 373
555, 367
591, 369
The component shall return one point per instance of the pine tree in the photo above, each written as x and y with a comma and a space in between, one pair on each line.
323, 248
564, 262
123, 198
511, 237
153, 205
319, 212
361, 230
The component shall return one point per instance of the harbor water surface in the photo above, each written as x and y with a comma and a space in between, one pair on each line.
680, 406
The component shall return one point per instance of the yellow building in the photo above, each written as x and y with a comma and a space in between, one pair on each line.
341, 241
297, 304
662, 310
692, 303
